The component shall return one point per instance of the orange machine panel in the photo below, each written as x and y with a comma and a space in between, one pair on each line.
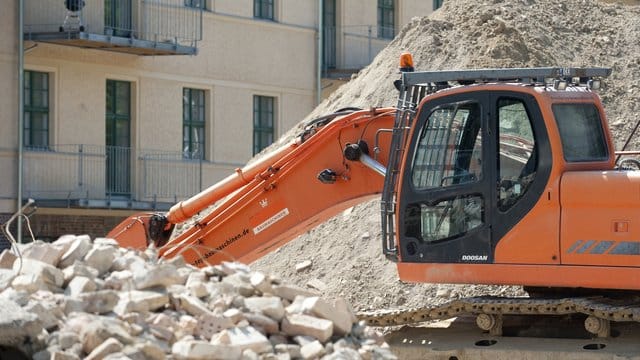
600, 212
600, 277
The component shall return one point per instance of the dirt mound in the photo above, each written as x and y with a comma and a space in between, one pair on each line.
346, 251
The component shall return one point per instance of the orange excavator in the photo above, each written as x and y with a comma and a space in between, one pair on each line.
489, 176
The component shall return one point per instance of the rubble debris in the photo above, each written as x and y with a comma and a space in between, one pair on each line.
147, 308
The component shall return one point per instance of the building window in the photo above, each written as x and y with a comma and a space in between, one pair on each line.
202, 4
386, 19
193, 115
263, 9
263, 120
36, 109
437, 4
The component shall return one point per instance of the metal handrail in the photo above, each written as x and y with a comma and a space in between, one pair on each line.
159, 21
81, 172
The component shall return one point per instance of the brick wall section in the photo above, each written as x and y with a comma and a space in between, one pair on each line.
50, 227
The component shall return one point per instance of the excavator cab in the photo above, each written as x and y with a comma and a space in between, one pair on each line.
507, 179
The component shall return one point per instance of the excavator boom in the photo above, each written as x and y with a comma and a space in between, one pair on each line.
274, 199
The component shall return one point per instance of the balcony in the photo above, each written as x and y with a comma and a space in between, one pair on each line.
90, 176
142, 27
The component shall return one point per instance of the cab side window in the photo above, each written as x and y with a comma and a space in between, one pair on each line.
517, 152
580, 132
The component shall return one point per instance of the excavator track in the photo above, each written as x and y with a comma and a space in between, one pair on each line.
600, 311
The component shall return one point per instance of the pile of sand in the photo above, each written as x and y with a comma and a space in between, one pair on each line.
346, 251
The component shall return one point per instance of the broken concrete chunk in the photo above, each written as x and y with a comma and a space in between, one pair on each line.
102, 241
79, 269
289, 292
261, 282
241, 282
119, 280
160, 275
29, 283
320, 308
243, 338
128, 261
77, 250
151, 351
298, 324
292, 349
140, 301
267, 324
230, 268
210, 324
195, 284
304, 265
234, 315
47, 316
79, 285
296, 307
110, 346
59, 355
343, 354
191, 304
95, 330
66, 339
17, 326
45, 252
312, 350
100, 258
202, 350
99, 302
344, 307
187, 325
6, 278
51, 275
267, 305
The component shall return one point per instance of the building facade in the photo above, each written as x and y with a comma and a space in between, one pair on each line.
133, 105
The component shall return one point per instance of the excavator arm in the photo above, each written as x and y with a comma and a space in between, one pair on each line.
336, 163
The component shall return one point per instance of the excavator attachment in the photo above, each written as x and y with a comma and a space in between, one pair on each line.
132, 232
138, 231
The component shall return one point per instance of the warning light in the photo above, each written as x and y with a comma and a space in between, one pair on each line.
406, 62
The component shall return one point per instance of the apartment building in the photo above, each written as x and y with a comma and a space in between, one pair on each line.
133, 105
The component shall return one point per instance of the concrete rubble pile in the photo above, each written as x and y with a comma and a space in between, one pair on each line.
77, 298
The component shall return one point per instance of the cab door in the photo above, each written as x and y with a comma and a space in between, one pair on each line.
448, 184
479, 163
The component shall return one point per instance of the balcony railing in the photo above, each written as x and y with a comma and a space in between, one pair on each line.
145, 27
114, 177
350, 48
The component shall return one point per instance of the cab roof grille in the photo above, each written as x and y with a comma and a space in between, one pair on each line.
437, 80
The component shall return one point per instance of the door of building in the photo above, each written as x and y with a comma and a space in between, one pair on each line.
118, 138
329, 38
117, 17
